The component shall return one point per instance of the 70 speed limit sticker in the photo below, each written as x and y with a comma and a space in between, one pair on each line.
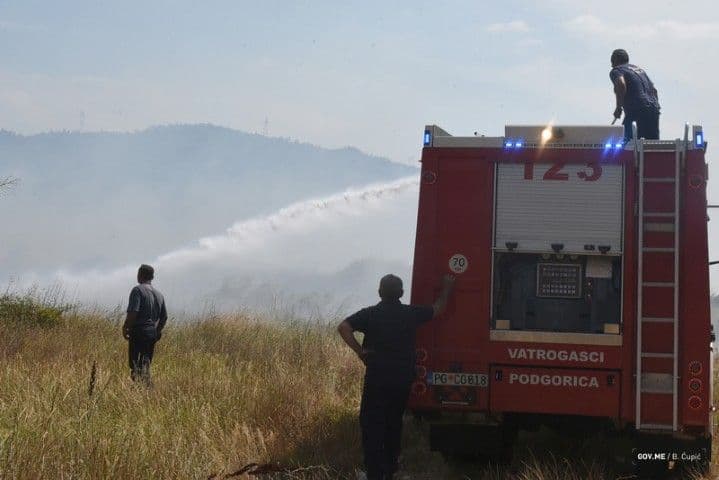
458, 263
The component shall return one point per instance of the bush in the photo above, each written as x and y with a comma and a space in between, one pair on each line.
27, 309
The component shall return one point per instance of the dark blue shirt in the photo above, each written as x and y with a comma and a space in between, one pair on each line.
390, 330
640, 89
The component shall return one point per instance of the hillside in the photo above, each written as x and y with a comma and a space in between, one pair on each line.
98, 200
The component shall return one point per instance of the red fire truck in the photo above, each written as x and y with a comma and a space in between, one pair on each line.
582, 294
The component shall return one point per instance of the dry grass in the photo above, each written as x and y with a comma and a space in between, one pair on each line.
228, 391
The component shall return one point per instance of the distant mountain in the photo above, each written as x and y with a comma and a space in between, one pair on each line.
95, 200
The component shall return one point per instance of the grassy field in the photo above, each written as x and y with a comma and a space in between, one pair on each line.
228, 391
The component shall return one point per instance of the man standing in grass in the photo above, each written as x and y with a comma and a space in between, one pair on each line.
388, 352
146, 317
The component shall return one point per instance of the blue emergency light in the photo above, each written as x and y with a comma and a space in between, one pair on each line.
427, 138
612, 144
513, 143
699, 139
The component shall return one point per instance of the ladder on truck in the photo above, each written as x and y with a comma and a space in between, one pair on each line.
658, 209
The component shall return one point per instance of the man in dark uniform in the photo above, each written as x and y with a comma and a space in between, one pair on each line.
388, 352
146, 317
635, 93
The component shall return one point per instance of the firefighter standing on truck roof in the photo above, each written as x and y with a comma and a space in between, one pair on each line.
388, 352
635, 94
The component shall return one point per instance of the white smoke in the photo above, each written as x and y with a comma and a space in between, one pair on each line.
327, 251
294, 219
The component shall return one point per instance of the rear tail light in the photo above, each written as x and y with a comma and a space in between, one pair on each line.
695, 368
419, 389
421, 372
695, 385
695, 402
421, 355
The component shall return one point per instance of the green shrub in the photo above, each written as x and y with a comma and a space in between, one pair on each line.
27, 309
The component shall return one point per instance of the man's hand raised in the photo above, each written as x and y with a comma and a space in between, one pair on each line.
448, 282
447, 286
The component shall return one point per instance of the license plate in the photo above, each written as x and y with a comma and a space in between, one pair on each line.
458, 379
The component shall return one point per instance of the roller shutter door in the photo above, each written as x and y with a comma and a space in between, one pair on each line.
574, 205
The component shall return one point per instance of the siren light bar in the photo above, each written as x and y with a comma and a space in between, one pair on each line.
515, 143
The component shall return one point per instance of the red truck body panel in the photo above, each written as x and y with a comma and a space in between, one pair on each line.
554, 373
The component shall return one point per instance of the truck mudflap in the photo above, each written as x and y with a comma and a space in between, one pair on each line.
553, 390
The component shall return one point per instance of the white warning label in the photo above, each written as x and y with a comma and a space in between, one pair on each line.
458, 263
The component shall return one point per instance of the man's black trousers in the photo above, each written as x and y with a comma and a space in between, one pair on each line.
141, 348
383, 402
647, 124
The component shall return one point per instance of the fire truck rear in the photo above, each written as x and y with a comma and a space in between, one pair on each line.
582, 295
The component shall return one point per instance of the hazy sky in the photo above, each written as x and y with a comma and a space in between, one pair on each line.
368, 74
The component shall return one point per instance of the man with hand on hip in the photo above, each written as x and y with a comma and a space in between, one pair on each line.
388, 351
